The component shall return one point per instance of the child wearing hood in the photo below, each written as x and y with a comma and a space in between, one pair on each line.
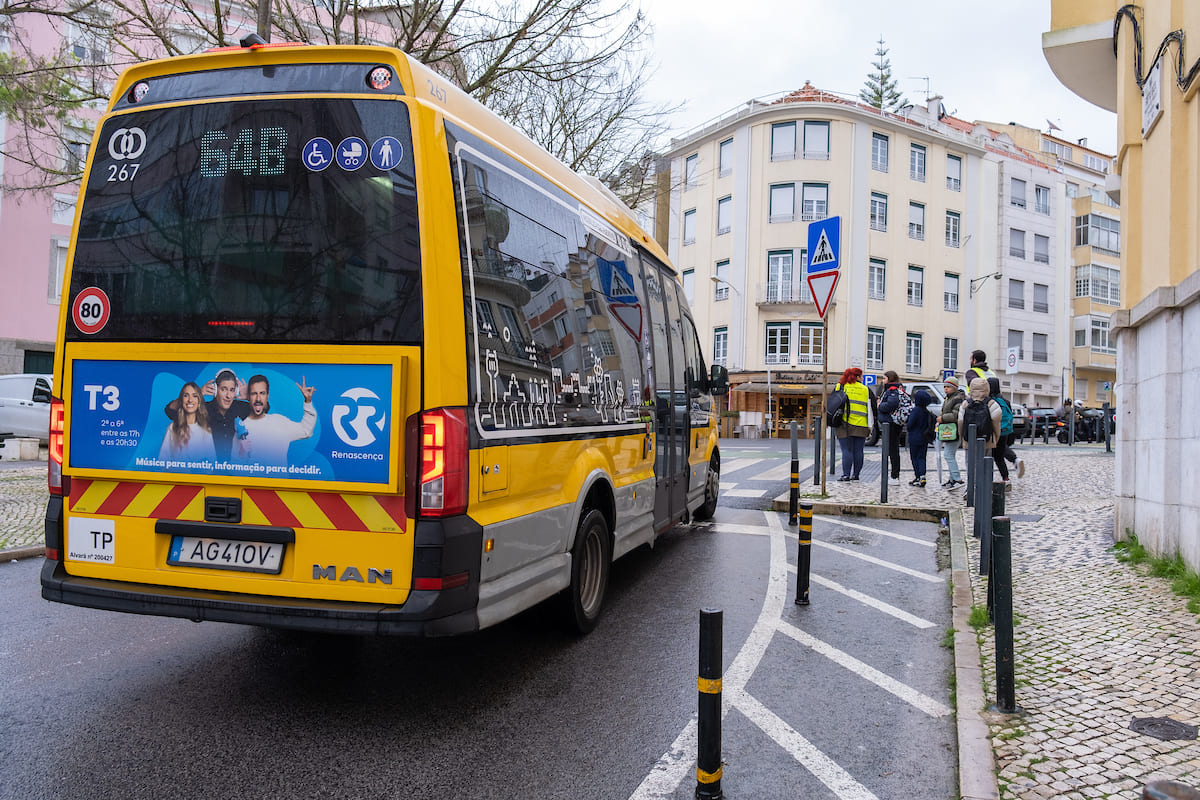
920, 428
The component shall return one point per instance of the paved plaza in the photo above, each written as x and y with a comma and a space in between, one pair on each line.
1098, 643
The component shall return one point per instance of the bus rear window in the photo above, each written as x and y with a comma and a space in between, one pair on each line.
267, 221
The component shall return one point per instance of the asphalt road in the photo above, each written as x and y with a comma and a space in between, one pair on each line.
844, 698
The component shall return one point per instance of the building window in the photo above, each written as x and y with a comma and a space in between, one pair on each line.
1041, 298
912, 354
1041, 352
1015, 339
953, 228
1102, 284
560, 327
783, 141
810, 350
874, 348
1095, 162
1100, 232
816, 140
879, 152
1016, 243
58, 266
1041, 248
1041, 199
514, 326
954, 173
691, 169
1100, 340
725, 157
1016, 294
916, 163
779, 276
602, 340
916, 221
720, 346
63, 209
724, 215
783, 202
75, 150
721, 284
1016, 193
689, 226
779, 342
877, 279
950, 294
878, 211
816, 202
916, 286
1058, 149
689, 284
1072, 190
485, 321
950, 353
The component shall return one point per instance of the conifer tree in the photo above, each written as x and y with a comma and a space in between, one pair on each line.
879, 89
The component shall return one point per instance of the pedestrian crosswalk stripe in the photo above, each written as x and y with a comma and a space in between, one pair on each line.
824, 253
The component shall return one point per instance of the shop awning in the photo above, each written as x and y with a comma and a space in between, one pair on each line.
779, 388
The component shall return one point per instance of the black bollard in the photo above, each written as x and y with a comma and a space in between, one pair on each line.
708, 722
1107, 423
794, 494
1006, 702
971, 435
804, 554
981, 500
1169, 790
986, 562
883, 462
817, 455
833, 446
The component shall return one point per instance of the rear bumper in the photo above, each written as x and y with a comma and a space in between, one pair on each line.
442, 547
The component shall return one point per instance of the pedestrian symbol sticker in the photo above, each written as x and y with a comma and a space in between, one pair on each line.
318, 154
824, 252
386, 153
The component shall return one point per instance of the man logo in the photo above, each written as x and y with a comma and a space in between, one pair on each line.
353, 419
127, 143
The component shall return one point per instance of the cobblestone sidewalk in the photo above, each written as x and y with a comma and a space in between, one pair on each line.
22, 505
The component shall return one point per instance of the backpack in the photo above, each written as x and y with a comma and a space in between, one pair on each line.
835, 409
976, 412
1006, 416
900, 415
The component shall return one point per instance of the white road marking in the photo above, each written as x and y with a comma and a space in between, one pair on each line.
734, 464
889, 534
879, 562
867, 600
781, 472
906, 693
743, 492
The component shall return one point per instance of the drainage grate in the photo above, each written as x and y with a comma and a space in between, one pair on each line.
1163, 728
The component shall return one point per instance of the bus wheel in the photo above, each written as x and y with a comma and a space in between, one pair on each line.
712, 486
590, 561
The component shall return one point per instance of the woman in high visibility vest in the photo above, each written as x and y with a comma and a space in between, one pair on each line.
852, 435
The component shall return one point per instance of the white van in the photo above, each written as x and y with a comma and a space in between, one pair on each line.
25, 405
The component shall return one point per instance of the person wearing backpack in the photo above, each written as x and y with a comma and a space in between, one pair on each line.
1007, 436
982, 412
852, 433
920, 428
955, 397
894, 406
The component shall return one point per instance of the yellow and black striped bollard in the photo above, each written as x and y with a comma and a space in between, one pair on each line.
708, 720
804, 553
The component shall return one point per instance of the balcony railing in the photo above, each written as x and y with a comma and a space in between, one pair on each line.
793, 292
916, 231
954, 184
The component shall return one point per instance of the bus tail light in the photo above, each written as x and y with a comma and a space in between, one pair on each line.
437, 463
54, 471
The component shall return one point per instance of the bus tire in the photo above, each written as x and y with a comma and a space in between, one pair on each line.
712, 487
591, 558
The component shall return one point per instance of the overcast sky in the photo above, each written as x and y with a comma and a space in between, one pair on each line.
985, 59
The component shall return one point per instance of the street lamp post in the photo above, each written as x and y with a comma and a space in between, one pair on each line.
977, 282
738, 292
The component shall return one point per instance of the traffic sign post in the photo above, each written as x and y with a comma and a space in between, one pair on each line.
824, 260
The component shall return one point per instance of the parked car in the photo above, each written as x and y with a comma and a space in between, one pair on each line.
1020, 420
1041, 419
25, 405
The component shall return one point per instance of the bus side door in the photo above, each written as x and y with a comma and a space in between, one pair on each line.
670, 395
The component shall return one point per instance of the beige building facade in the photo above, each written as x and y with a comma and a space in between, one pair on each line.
1103, 51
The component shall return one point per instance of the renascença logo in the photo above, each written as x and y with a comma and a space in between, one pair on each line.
127, 143
354, 418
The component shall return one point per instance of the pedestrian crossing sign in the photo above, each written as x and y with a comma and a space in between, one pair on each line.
824, 242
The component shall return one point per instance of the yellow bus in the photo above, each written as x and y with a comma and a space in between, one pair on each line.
342, 351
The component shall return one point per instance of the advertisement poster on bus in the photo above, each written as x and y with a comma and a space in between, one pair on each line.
317, 422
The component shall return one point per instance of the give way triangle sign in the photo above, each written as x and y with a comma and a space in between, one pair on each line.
824, 260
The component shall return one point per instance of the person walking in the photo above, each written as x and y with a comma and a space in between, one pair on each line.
894, 405
919, 428
852, 435
949, 416
984, 413
979, 368
1007, 435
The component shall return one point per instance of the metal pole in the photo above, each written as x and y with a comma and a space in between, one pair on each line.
794, 494
883, 471
708, 720
833, 447
1107, 421
1006, 702
804, 554
986, 561
817, 439
981, 500
824, 399
937, 453
971, 432
770, 418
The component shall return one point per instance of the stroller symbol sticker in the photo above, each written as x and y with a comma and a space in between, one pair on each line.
352, 153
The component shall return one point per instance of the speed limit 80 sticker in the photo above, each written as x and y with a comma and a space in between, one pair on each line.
90, 310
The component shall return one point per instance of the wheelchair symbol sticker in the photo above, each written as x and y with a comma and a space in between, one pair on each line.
318, 154
351, 153
386, 153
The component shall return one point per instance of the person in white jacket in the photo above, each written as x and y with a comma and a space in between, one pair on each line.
268, 436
